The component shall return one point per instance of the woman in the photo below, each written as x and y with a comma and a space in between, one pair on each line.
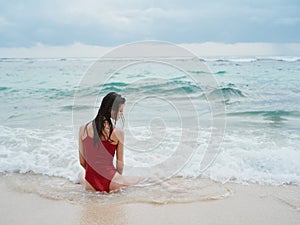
99, 140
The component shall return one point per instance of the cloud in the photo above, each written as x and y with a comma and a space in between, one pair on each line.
4, 22
104, 22
256, 49
44, 51
290, 21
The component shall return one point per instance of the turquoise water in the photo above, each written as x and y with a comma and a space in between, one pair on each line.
261, 97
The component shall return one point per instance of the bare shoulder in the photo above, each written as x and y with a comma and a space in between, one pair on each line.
86, 127
81, 131
119, 133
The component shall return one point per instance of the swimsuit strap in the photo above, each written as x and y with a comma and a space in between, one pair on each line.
85, 128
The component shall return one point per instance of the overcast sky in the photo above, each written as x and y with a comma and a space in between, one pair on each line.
113, 22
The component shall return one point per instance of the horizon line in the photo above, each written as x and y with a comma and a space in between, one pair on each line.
201, 49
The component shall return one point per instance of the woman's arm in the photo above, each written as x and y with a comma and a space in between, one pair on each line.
120, 150
80, 145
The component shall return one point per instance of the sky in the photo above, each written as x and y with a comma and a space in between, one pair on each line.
32, 23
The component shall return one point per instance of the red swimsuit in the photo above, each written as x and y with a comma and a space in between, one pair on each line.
99, 163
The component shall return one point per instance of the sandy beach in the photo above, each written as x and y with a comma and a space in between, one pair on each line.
199, 99
248, 204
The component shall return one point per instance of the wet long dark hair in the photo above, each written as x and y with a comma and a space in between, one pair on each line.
111, 101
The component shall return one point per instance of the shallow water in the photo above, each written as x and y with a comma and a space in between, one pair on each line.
175, 190
260, 143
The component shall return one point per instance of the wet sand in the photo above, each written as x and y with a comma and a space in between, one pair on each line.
248, 204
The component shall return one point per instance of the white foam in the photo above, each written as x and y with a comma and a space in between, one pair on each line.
50, 152
255, 156
246, 155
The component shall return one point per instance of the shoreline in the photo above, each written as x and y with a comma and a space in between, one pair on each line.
248, 204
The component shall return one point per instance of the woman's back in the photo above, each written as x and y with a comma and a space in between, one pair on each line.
98, 142
99, 160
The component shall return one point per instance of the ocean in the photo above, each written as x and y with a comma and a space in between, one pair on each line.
168, 124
